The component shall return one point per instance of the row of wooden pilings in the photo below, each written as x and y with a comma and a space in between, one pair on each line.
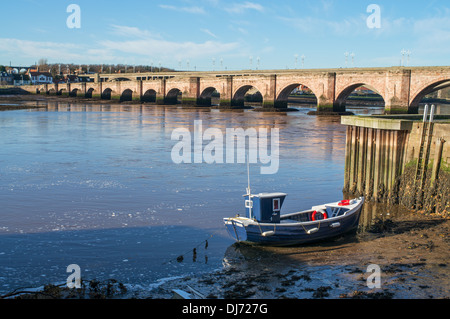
387, 157
374, 160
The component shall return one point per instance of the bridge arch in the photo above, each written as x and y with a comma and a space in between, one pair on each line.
283, 96
149, 96
127, 95
73, 93
106, 94
89, 93
417, 96
210, 96
61, 91
341, 99
239, 95
173, 97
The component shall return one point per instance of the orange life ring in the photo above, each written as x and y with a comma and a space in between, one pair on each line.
344, 202
313, 216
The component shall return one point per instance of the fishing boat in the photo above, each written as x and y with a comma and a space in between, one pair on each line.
263, 223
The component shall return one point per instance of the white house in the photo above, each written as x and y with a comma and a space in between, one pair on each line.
40, 77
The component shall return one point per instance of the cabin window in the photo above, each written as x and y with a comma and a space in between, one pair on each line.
276, 204
248, 204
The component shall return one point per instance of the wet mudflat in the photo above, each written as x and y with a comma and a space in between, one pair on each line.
411, 250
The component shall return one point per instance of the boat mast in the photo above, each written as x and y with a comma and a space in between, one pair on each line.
248, 178
249, 202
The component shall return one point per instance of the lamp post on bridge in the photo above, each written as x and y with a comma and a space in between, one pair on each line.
403, 52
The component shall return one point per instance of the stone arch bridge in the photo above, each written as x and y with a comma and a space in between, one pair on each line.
401, 88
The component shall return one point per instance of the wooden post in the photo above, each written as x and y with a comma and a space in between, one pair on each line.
361, 159
353, 157
348, 152
377, 164
369, 162
437, 162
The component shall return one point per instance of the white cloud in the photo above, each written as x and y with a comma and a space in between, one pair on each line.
168, 49
209, 33
318, 26
53, 51
128, 43
144, 44
126, 31
242, 7
194, 9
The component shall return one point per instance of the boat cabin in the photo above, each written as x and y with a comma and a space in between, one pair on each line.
264, 207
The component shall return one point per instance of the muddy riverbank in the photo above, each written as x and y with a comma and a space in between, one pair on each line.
412, 251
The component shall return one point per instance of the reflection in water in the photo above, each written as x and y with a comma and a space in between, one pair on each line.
95, 185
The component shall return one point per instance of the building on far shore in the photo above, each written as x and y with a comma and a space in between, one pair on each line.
6, 78
37, 77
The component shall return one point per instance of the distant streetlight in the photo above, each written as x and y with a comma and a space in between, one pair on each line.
408, 53
296, 60
403, 52
303, 61
214, 63
353, 59
346, 54
257, 62
251, 62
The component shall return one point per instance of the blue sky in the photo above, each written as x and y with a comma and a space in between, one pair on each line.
226, 34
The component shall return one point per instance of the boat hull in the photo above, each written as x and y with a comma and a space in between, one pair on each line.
292, 233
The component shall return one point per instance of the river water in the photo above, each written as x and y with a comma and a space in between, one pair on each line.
95, 185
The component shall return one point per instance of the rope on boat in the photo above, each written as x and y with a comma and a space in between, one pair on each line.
275, 228
260, 230
306, 231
